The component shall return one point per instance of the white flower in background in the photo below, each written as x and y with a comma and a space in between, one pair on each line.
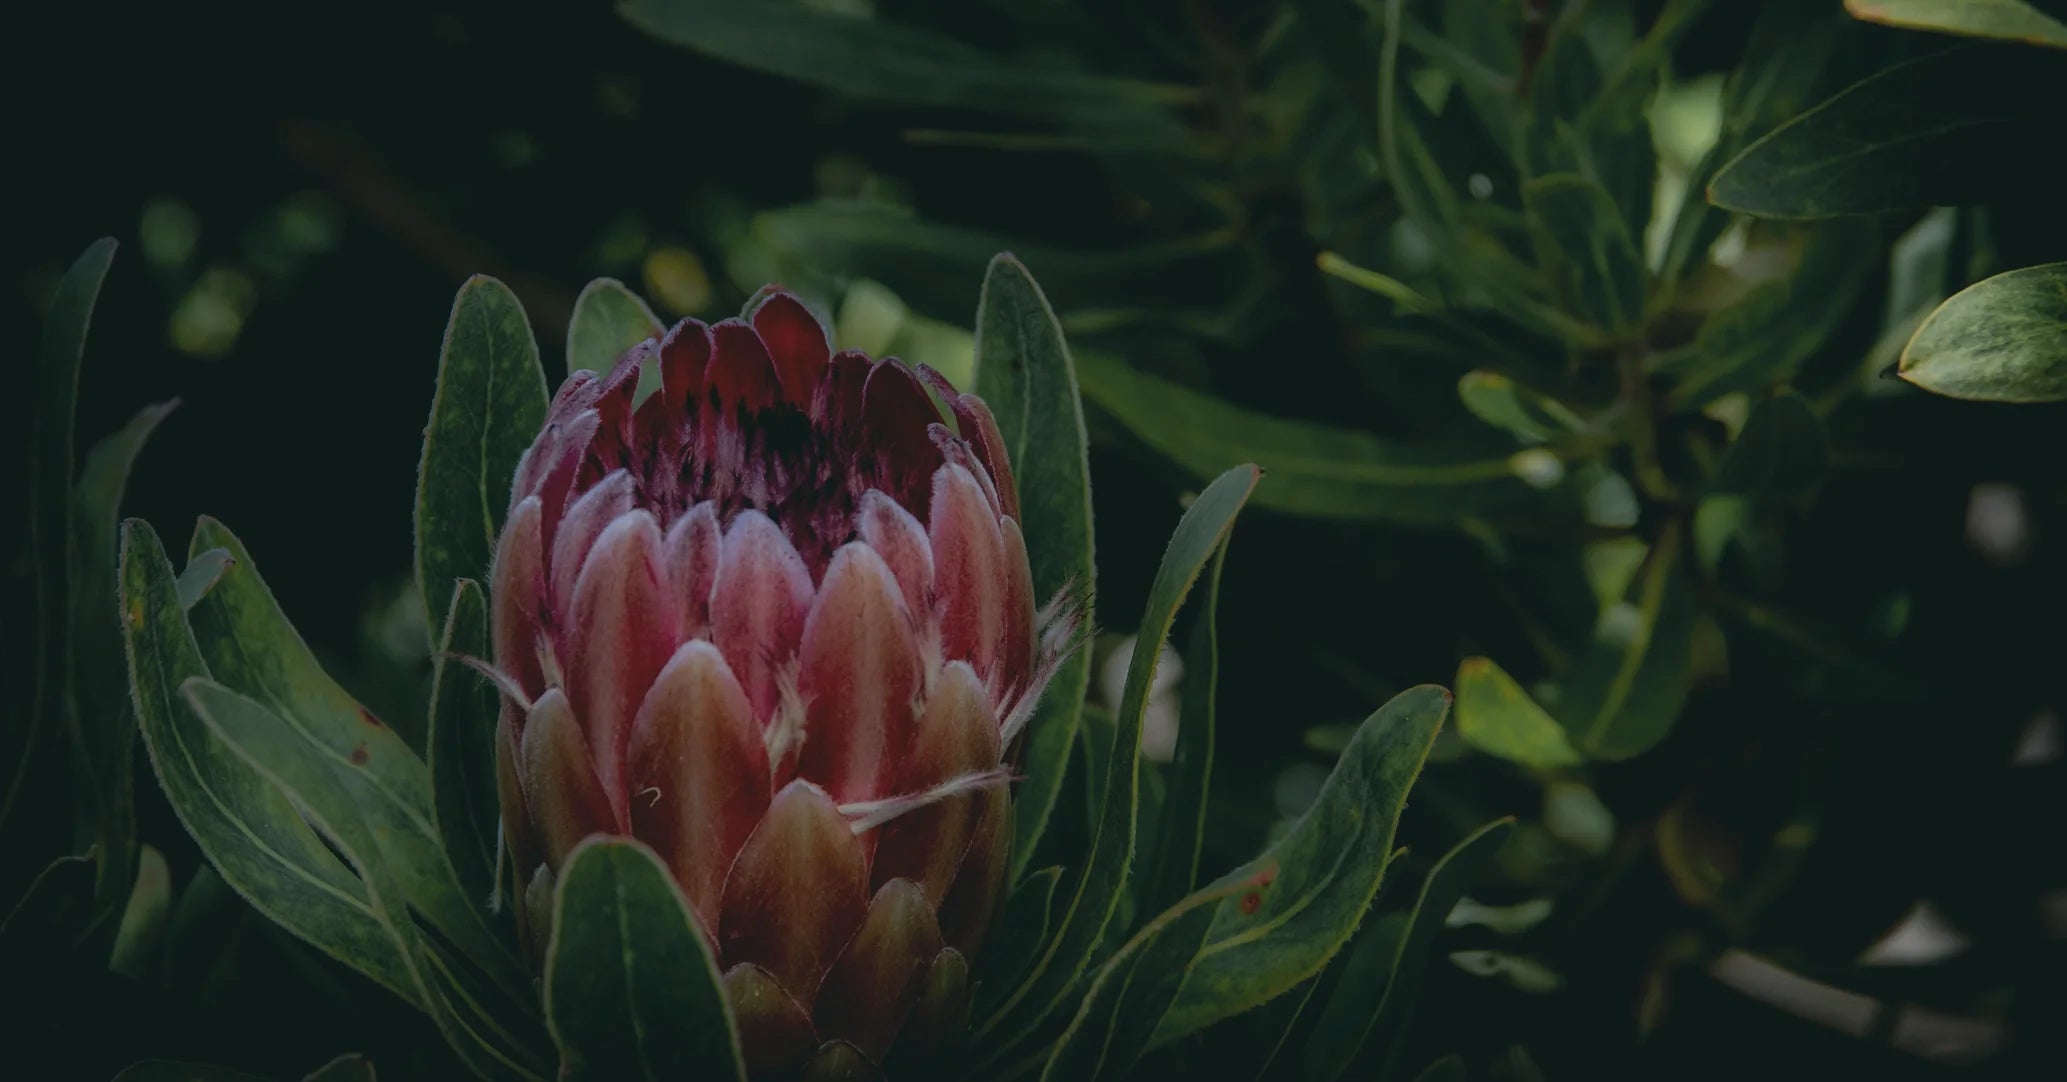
1159, 724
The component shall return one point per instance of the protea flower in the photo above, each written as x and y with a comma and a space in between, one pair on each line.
777, 622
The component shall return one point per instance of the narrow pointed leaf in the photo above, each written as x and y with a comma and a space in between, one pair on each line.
1604, 272
244, 824
608, 320
1785, 58
864, 57
1024, 373
383, 841
139, 939
1760, 341
330, 745
1947, 128
1329, 867
1625, 690
2002, 339
1496, 716
631, 988
104, 729
462, 744
1022, 931
1133, 990
1369, 1009
350, 1068
1170, 868
1281, 1027
28, 736
1095, 895
1315, 469
2006, 20
200, 575
40, 932
490, 401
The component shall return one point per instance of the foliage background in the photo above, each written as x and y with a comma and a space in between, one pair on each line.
298, 191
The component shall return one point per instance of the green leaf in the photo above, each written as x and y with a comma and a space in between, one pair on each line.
482, 1011
1625, 690
489, 406
139, 938
1170, 868
1497, 717
318, 744
200, 576
1283, 1024
348, 1068
1604, 271
1022, 930
1936, 130
1762, 339
1489, 35
104, 725
859, 56
462, 745
2002, 339
1788, 53
1101, 883
928, 264
1507, 405
39, 933
631, 988
2008, 20
1025, 374
1330, 864
608, 320
1314, 469
1781, 449
52, 422
1371, 1004
244, 824
1132, 991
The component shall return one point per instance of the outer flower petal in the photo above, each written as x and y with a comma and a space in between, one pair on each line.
517, 590
968, 569
621, 630
775, 1032
980, 428
879, 977
957, 734
902, 543
859, 675
965, 915
565, 798
584, 522
797, 892
698, 773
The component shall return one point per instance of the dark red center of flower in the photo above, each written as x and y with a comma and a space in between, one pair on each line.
761, 414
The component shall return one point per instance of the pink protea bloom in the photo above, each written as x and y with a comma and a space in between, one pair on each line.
777, 622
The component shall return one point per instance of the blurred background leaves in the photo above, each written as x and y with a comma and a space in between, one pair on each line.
1540, 420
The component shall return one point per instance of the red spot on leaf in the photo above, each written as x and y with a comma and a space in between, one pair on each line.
367, 716
1249, 903
359, 754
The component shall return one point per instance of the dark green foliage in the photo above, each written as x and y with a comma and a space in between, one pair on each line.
1616, 362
